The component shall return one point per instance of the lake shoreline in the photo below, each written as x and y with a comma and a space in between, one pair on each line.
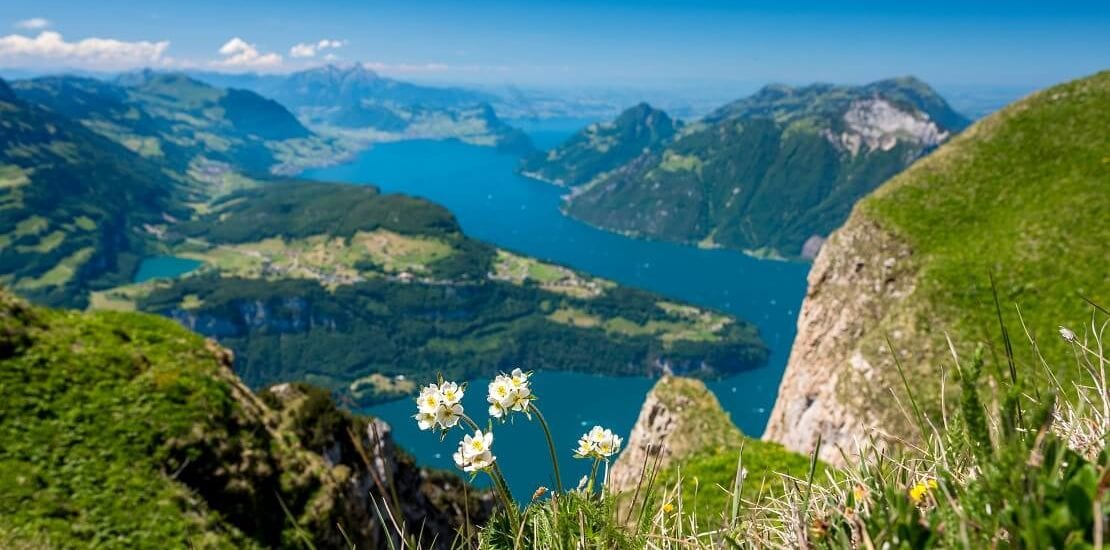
496, 204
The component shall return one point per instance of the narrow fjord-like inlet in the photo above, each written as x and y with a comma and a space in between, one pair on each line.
495, 204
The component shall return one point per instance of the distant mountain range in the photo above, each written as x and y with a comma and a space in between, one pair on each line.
771, 174
183, 122
357, 103
333, 84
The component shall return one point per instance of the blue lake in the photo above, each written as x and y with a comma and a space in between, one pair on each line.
164, 267
494, 204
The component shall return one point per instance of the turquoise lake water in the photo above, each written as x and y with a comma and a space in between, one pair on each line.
164, 267
494, 204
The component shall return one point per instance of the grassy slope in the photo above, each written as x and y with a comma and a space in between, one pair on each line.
72, 205
124, 430
89, 405
1022, 194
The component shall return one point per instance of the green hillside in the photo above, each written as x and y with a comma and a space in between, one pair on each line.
602, 147
368, 294
186, 124
92, 172
123, 430
1022, 195
73, 205
774, 173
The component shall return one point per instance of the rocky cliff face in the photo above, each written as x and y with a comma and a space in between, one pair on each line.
680, 417
360, 471
828, 389
877, 124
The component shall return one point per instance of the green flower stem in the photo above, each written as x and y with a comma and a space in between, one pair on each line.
473, 425
550, 446
498, 478
593, 476
502, 489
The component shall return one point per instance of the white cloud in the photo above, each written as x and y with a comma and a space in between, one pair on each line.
240, 54
34, 23
50, 48
310, 49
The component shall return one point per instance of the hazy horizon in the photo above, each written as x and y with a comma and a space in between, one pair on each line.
567, 45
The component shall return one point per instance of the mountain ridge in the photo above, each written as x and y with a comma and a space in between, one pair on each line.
602, 147
773, 173
355, 103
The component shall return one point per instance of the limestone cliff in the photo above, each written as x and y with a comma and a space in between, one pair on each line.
679, 418
828, 388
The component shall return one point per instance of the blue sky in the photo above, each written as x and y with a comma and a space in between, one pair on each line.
635, 42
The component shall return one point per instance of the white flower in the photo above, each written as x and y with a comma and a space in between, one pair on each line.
450, 393
585, 448
519, 379
480, 462
609, 445
438, 406
477, 444
496, 410
510, 392
448, 417
1067, 334
501, 391
429, 399
598, 443
475, 452
520, 399
425, 421
596, 434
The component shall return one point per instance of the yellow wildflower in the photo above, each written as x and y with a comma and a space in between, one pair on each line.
918, 492
860, 492
668, 508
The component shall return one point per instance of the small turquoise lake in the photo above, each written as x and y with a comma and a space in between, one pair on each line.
164, 267
493, 203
